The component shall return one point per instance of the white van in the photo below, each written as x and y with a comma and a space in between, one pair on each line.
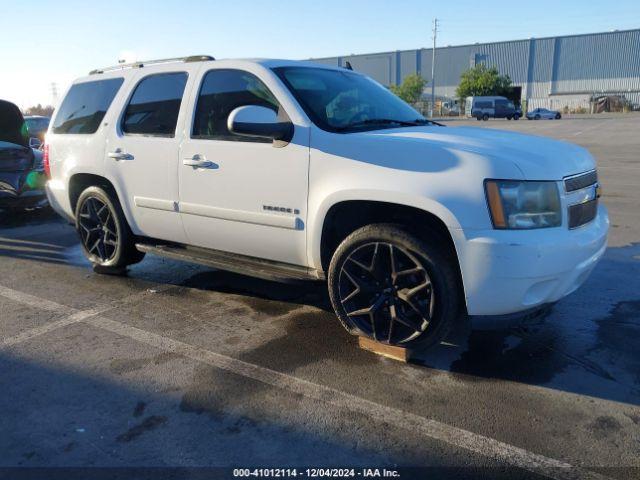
297, 171
484, 108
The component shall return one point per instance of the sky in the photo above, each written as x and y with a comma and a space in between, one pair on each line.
44, 42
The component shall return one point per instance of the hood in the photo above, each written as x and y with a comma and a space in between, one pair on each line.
537, 158
12, 126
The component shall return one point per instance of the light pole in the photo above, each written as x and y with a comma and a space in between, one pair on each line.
433, 68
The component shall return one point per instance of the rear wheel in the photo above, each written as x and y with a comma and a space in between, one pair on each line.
107, 240
485, 117
558, 116
387, 284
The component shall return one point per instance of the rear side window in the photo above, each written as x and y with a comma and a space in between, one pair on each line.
155, 104
85, 106
221, 92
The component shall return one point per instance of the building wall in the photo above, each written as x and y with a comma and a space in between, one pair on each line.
553, 72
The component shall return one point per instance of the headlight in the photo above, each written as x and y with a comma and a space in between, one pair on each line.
522, 205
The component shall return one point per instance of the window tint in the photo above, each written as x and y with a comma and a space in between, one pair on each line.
154, 106
85, 105
484, 105
221, 92
502, 103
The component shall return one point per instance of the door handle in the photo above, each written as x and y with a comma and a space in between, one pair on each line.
118, 154
198, 161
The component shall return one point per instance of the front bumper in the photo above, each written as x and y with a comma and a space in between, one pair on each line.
21, 189
26, 199
510, 271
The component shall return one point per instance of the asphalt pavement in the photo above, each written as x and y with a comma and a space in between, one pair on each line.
179, 365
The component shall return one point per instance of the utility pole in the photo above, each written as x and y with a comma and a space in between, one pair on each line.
54, 93
433, 68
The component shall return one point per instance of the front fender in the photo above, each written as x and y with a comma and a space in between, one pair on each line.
319, 211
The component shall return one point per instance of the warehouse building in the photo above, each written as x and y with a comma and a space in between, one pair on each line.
568, 72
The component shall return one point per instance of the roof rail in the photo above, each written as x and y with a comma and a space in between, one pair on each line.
122, 66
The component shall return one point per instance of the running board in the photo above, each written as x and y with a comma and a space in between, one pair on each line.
233, 262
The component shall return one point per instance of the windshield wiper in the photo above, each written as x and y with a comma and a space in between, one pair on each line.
378, 121
387, 121
424, 121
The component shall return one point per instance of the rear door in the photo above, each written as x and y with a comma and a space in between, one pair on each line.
143, 147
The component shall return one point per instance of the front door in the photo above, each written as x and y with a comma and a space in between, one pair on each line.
143, 150
239, 194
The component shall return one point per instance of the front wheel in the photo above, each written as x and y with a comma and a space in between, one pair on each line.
388, 284
107, 240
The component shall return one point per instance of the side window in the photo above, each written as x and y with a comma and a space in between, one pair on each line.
155, 104
220, 93
85, 106
501, 103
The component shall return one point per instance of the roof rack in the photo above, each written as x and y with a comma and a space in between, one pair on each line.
122, 66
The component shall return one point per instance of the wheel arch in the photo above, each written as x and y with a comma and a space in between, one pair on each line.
80, 181
342, 217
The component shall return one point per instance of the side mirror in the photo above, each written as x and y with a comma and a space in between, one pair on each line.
35, 142
259, 122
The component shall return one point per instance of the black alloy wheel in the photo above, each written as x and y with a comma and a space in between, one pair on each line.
98, 229
107, 240
386, 292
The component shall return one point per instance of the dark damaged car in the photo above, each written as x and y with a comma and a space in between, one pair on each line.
22, 175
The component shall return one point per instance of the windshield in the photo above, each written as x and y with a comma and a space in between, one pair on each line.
345, 101
36, 124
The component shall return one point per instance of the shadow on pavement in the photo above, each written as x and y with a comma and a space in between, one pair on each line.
587, 344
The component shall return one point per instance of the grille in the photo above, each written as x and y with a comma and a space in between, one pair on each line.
580, 181
582, 213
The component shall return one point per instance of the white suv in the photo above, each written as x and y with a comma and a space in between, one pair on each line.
295, 171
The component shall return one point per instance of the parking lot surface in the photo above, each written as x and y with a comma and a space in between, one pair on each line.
178, 365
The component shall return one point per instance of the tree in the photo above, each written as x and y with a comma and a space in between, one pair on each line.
39, 110
482, 80
411, 88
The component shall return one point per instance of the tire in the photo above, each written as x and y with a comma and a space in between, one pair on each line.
558, 116
509, 117
105, 236
485, 117
478, 118
516, 117
357, 282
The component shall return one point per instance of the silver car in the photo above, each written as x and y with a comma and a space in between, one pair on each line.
540, 113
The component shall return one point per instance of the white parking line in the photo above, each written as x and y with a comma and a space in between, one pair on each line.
457, 437
73, 315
